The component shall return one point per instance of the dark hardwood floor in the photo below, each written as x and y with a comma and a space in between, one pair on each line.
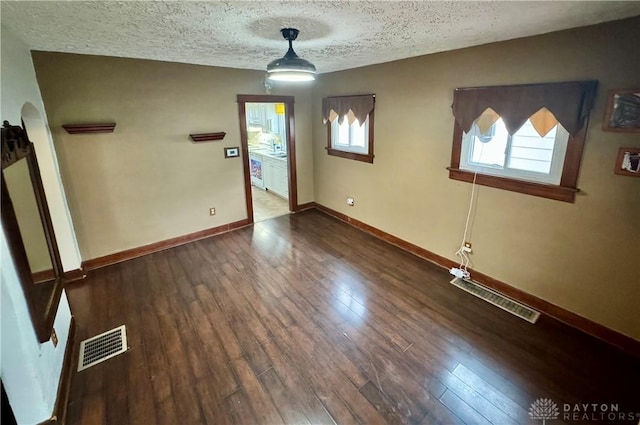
305, 320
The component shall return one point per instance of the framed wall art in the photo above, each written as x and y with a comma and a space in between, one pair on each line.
628, 162
622, 112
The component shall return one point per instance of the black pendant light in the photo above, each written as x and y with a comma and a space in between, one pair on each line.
291, 67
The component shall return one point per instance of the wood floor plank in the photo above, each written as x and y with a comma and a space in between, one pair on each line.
304, 319
439, 414
266, 412
180, 277
179, 370
308, 401
491, 394
219, 323
239, 408
337, 408
166, 412
74, 413
212, 406
243, 308
215, 358
242, 330
322, 380
306, 332
398, 382
285, 401
360, 406
376, 344
117, 406
139, 389
187, 402
93, 409
387, 409
479, 402
461, 409
386, 323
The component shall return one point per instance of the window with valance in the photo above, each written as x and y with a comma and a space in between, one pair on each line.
523, 138
350, 126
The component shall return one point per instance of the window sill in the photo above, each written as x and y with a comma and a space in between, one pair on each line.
559, 193
351, 155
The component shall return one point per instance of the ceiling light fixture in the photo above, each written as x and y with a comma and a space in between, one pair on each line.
290, 67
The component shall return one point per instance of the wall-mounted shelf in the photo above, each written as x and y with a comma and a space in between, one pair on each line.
89, 128
207, 137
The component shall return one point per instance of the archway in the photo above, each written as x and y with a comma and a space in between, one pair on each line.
33, 121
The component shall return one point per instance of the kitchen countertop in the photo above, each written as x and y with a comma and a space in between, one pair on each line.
266, 152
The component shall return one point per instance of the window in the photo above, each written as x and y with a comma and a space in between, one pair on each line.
533, 146
350, 137
350, 126
525, 155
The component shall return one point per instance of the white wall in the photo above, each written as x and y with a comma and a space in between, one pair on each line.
20, 93
31, 371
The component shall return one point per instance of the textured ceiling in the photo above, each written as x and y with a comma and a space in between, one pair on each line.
334, 35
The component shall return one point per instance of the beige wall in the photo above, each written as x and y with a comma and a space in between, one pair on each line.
147, 182
582, 256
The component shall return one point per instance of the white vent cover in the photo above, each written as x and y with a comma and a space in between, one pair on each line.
497, 299
102, 347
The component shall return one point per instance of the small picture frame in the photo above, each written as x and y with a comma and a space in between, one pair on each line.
231, 152
622, 112
628, 162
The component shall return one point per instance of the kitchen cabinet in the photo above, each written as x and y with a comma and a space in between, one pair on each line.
275, 176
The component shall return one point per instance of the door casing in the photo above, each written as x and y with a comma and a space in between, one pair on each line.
288, 101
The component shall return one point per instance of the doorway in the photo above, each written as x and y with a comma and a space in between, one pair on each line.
267, 137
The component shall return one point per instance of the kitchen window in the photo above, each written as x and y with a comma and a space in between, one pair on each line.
350, 126
524, 138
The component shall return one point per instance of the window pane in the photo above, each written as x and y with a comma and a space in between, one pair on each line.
530, 165
358, 134
341, 133
350, 138
530, 152
524, 155
533, 142
489, 149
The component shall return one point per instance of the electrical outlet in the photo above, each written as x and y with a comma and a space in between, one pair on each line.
467, 247
54, 338
212, 211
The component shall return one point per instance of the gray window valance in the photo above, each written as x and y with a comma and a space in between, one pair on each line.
339, 107
569, 102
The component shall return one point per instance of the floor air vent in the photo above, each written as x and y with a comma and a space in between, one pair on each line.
102, 347
507, 304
